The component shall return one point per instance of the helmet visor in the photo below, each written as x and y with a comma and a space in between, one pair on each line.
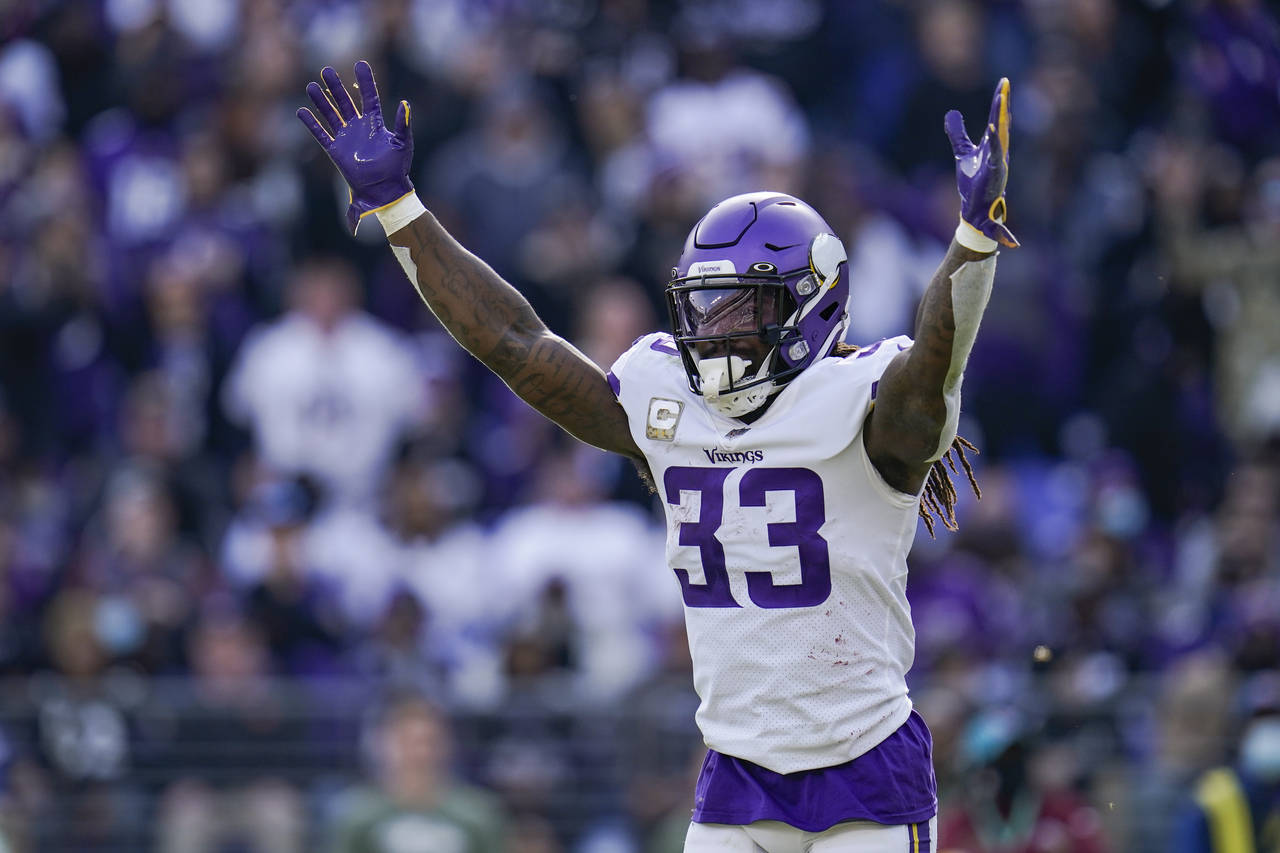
728, 309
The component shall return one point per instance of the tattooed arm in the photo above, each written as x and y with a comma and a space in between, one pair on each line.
915, 415
911, 420
484, 313
495, 323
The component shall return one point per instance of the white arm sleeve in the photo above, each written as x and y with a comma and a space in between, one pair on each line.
970, 290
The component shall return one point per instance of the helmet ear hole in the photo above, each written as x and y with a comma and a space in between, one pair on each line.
826, 313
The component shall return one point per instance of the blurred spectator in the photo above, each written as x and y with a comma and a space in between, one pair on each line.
1218, 224
509, 177
56, 329
950, 38
413, 802
147, 572
398, 653
1189, 729
1237, 807
84, 731
662, 748
610, 317
231, 745
722, 126
1015, 798
288, 603
567, 252
444, 567
327, 390
338, 562
533, 751
157, 429
610, 579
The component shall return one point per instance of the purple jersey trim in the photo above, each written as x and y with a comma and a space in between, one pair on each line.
614, 383
863, 353
892, 784
664, 344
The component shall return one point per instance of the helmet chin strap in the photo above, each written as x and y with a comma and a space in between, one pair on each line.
719, 372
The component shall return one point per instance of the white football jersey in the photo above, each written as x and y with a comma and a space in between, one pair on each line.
790, 550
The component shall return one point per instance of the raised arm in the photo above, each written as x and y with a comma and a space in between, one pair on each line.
918, 402
484, 313
496, 325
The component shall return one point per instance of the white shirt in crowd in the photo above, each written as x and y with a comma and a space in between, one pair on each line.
332, 404
611, 558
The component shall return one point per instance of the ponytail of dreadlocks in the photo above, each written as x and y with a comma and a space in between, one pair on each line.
938, 501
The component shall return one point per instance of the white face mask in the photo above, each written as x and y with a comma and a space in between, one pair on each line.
1260, 749
717, 374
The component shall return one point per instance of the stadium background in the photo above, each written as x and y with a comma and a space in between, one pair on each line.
252, 497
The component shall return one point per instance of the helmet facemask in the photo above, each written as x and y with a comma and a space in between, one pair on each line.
757, 296
729, 329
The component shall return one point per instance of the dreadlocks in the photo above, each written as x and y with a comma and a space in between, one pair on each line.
940, 493
938, 501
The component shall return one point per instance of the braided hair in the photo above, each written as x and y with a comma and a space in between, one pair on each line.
940, 493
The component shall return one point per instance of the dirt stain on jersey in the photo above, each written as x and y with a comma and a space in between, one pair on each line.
826, 656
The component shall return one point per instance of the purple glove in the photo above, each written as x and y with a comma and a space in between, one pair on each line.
371, 159
983, 169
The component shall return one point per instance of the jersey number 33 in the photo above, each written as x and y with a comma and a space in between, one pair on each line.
815, 562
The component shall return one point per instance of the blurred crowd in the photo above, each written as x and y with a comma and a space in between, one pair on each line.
236, 452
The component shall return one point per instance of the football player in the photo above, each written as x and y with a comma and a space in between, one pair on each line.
792, 467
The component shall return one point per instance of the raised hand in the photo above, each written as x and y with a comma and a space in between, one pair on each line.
983, 169
373, 160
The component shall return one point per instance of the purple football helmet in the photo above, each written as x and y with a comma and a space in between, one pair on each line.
758, 295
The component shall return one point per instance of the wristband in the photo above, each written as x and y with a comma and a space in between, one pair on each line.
400, 212
970, 238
